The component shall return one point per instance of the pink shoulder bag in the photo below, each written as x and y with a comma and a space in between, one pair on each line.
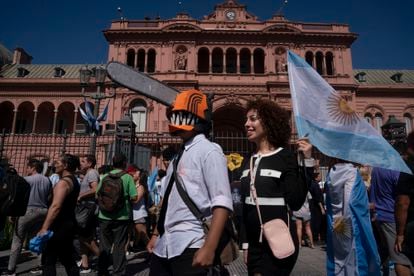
275, 231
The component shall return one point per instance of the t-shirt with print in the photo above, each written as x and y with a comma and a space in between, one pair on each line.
130, 191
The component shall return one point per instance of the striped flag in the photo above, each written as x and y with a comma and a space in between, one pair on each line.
332, 125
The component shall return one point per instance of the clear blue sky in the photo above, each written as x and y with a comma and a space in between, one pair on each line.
70, 31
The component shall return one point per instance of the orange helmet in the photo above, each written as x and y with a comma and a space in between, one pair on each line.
189, 109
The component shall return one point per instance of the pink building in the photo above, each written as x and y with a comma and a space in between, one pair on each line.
229, 53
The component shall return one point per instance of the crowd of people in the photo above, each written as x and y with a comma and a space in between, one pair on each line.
275, 183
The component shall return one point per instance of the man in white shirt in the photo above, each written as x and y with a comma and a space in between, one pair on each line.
179, 245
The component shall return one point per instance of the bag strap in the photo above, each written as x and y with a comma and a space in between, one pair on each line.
164, 205
187, 200
118, 174
253, 171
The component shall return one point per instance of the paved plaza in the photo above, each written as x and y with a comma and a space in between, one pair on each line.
311, 262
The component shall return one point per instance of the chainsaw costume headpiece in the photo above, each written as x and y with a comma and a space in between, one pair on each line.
189, 111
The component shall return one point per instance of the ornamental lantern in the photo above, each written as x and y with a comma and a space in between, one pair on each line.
394, 131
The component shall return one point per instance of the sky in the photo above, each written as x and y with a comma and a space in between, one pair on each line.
70, 31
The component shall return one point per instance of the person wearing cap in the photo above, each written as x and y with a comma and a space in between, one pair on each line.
179, 245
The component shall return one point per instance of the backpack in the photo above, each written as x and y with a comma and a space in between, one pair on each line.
14, 194
111, 194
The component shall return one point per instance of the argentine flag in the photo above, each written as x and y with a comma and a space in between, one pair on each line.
351, 247
152, 188
332, 125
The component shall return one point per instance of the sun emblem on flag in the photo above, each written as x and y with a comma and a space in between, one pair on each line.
340, 111
342, 227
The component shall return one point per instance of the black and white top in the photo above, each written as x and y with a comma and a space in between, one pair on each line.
279, 181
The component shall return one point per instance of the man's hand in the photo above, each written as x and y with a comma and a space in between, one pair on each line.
204, 257
151, 243
398, 243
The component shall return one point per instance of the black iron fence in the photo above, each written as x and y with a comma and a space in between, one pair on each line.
145, 149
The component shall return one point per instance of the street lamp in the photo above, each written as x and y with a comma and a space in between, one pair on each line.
394, 132
85, 75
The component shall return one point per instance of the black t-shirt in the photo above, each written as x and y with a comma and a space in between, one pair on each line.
405, 186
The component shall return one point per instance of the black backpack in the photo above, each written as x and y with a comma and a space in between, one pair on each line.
111, 194
14, 194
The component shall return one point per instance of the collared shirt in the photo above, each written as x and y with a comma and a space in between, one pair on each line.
203, 171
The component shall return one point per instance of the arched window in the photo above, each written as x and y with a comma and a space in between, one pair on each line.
138, 110
45, 111
131, 58
217, 60
231, 61
245, 58
258, 59
368, 117
6, 115
25, 116
203, 62
378, 122
141, 60
329, 64
151, 61
309, 58
319, 63
64, 118
408, 120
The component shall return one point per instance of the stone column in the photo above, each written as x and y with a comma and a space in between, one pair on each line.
238, 62
251, 63
210, 62
54, 121
224, 63
75, 117
323, 64
34, 121
146, 62
14, 120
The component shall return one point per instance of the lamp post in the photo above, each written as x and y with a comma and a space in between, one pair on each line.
394, 132
85, 75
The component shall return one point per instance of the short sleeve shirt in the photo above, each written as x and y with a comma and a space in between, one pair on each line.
405, 186
91, 176
129, 191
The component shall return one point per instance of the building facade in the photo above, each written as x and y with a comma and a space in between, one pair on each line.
229, 53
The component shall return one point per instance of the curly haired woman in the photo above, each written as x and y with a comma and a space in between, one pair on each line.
280, 184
